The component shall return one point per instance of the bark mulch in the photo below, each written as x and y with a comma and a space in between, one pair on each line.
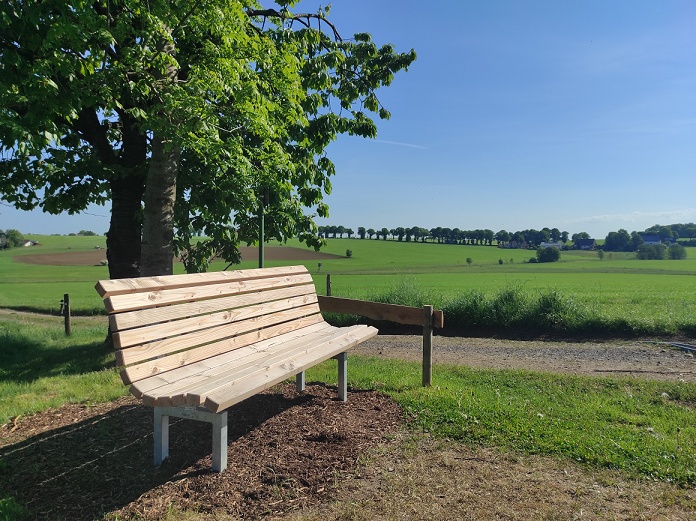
287, 450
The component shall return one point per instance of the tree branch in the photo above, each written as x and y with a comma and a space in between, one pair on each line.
304, 18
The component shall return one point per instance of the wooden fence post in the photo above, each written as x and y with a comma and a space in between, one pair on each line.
328, 285
66, 313
427, 346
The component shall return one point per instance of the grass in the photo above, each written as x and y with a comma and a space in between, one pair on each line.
643, 428
618, 296
41, 367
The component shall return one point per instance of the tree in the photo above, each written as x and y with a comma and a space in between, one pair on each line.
384, 232
361, 232
676, 252
349, 232
618, 241
14, 238
551, 254
371, 232
665, 233
188, 116
651, 252
503, 237
636, 241
581, 235
399, 232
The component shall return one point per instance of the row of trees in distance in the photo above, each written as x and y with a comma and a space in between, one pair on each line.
619, 240
453, 235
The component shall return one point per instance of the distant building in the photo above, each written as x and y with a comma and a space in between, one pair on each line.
651, 240
585, 244
558, 245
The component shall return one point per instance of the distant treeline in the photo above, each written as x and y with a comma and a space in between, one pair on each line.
620, 240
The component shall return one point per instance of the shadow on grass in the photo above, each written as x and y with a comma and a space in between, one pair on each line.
25, 359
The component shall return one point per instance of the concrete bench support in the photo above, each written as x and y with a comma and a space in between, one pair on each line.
219, 422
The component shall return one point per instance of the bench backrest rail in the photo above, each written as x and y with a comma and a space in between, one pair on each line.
163, 323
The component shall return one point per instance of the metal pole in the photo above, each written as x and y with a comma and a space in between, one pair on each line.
261, 232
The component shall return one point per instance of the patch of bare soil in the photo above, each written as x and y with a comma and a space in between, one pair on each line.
96, 257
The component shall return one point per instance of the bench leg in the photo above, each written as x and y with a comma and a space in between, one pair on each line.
300, 382
218, 420
219, 441
342, 376
161, 435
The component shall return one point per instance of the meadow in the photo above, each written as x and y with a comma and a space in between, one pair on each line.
499, 292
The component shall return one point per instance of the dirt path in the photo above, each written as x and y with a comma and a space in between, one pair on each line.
613, 358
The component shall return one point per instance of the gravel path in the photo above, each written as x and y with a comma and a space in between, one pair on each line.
615, 358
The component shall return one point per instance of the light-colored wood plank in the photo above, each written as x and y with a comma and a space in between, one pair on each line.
184, 343
107, 288
165, 297
234, 392
178, 393
407, 315
144, 317
162, 330
312, 354
166, 363
190, 372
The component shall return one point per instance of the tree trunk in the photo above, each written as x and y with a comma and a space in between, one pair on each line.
157, 248
123, 237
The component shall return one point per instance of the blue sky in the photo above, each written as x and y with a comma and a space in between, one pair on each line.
519, 114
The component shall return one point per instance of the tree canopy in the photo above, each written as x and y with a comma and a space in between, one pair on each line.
188, 115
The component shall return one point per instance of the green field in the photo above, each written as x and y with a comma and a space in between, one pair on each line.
616, 296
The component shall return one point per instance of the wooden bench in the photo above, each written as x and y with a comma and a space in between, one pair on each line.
191, 346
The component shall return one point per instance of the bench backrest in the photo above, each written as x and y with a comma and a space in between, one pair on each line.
162, 323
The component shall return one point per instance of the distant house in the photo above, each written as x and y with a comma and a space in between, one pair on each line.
585, 244
651, 240
558, 245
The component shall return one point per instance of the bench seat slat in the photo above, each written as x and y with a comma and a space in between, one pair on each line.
189, 389
292, 360
165, 346
153, 383
108, 288
143, 335
164, 297
144, 317
233, 392
166, 363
